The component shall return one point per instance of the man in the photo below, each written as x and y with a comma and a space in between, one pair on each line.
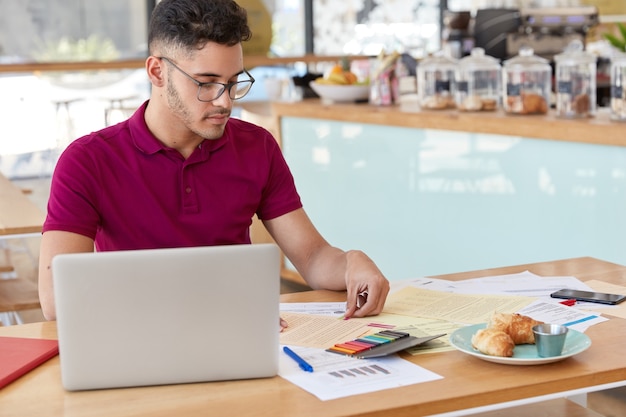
180, 172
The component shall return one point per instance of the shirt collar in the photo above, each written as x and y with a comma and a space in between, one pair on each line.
147, 143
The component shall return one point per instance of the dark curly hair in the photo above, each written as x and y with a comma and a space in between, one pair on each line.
188, 25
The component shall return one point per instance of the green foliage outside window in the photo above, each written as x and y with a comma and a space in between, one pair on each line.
618, 42
93, 48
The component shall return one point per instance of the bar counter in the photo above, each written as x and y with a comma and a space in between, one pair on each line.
596, 130
432, 192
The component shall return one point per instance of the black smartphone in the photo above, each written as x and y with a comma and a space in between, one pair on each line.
593, 297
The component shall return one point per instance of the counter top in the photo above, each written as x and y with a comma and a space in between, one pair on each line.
596, 130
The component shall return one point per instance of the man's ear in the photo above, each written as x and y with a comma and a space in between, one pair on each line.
154, 68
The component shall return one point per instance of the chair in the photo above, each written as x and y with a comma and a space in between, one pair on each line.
64, 120
5, 260
290, 279
119, 109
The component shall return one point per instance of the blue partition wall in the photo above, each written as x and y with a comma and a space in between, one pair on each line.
425, 202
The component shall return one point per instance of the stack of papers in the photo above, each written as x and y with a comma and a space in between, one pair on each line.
422, 307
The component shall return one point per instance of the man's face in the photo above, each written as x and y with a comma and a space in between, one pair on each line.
213, 63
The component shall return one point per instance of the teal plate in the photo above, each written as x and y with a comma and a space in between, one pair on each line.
575, 343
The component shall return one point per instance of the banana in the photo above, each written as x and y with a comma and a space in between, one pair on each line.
337, 78
322, 80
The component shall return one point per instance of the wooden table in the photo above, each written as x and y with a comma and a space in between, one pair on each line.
468, 381
18, 214
19, 217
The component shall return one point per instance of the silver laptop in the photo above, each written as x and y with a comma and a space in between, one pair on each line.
167, 316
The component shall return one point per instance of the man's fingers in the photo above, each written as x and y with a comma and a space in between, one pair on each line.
283, 324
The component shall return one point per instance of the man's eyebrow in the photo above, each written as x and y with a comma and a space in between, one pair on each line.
210, 74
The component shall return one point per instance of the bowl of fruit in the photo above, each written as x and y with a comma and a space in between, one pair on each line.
340, 85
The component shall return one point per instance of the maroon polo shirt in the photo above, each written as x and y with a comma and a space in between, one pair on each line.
121, 187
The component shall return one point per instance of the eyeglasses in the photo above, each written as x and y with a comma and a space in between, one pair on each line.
213, 90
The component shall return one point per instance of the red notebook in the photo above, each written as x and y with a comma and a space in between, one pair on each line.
19, 355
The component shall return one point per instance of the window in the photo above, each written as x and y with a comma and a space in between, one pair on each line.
72, 30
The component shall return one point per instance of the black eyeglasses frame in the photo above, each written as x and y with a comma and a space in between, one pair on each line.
225, 86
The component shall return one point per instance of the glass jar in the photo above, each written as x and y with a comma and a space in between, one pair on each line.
478, 82
528, 83
618, 87
435, 78
575, 82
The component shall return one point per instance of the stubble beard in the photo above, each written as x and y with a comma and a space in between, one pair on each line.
178, 107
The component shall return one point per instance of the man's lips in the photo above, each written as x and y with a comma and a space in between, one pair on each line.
218, 119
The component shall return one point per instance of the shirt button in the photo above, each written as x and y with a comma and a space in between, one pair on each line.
188, 190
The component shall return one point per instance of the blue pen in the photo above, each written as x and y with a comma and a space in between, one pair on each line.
304, 365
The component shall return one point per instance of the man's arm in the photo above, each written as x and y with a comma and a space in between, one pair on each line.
326, 267
53, 243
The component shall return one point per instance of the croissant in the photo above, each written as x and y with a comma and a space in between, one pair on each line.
518, 326
493, 342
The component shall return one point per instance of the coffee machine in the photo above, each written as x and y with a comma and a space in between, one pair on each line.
549, 30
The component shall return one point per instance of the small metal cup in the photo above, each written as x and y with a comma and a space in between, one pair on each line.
549, 339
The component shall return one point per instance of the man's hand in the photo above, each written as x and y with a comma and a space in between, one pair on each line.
367, 287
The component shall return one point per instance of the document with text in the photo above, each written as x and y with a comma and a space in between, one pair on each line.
336, 376
457, 308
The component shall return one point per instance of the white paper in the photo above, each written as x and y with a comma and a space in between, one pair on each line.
335, 309
555, 313
434, 284
337, 376
525, 283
